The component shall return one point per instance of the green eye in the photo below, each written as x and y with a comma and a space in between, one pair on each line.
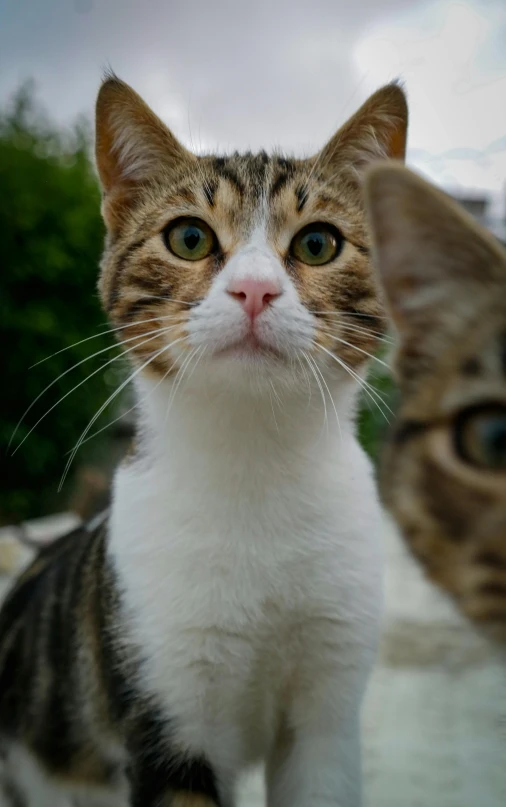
480, 435
317, 244
190, 239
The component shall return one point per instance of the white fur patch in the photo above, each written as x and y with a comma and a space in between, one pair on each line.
247, 548
249, 558
219, 321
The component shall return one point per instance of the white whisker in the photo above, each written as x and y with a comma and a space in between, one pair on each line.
199, 357
365, 331
167, 299
276, 394
157, 333
115, 420
271, 392
136, 404
338, 313
178, 379
311, 367
368, 389
330, 396
308, 380
361, 331
360, 350
109, 400
102, 333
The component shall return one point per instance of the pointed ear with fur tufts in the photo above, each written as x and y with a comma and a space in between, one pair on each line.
376, 131
433, 259
132, 147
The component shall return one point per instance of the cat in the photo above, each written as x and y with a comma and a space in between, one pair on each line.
226, 611
443, 473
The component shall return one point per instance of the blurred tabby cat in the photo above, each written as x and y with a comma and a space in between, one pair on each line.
227, 610
443, 474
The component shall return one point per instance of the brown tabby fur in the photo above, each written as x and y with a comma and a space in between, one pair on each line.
69, 688
445, 282
140, 280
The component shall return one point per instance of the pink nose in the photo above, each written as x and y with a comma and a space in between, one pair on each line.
254, 295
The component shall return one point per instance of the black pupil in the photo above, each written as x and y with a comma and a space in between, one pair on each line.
495, 437
314, 243
192, 237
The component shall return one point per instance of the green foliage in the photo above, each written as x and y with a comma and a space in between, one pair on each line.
51, 241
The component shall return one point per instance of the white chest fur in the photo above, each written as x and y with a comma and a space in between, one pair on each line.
249, 558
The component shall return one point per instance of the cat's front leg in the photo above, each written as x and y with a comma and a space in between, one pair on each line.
316, 770
316, 761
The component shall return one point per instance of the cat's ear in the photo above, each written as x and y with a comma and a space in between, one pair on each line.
432, 257
378, 130
132, 145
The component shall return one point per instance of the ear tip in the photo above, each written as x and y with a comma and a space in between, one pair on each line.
390, 107
111, 87
398, 85
395, 96
110, 79
109, 74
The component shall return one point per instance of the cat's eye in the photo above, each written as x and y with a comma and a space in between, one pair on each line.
317, 244
480, 436
189, 238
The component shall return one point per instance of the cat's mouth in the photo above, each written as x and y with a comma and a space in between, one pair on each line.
249, 347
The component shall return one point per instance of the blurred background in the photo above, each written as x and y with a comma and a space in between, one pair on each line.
223, 75
228, 74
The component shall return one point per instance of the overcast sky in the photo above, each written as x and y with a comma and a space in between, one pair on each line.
259, 73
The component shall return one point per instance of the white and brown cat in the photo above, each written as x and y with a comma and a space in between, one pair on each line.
227, 611
443, 475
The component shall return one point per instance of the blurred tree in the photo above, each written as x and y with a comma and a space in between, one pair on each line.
51, 235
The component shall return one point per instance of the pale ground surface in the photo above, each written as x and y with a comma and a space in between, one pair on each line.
435, 714
434, 721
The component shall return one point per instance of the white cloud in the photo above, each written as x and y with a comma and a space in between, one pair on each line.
456, 90
238, 74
